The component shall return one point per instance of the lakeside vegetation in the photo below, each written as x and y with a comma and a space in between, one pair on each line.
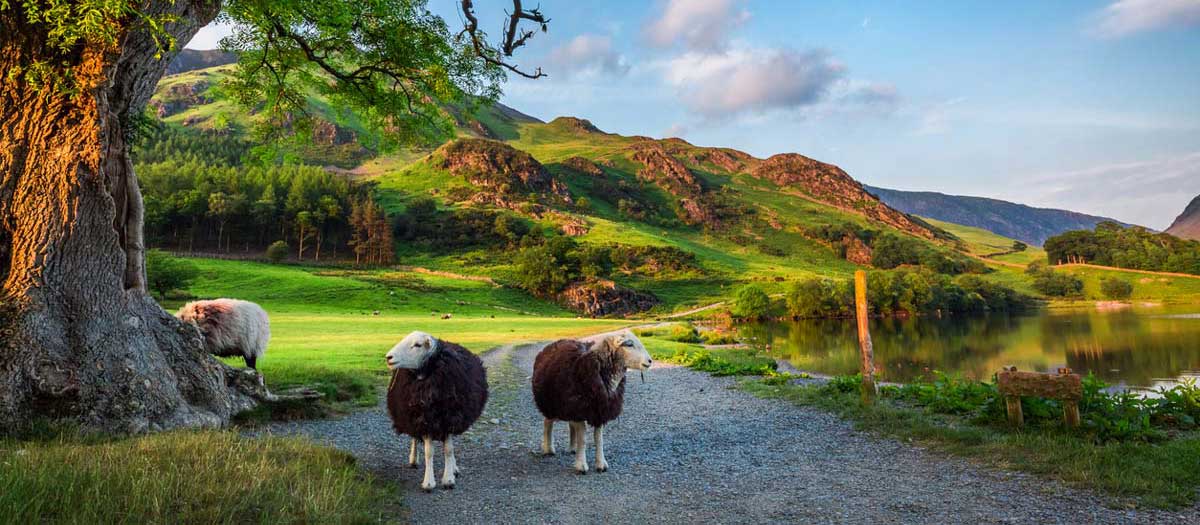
1133, 449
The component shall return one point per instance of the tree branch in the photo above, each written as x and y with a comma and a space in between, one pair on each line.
514, 37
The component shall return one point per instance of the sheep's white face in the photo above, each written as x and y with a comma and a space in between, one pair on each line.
631, 348
412, 351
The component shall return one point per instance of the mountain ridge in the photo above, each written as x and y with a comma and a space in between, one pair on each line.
1026, 223
1187, 224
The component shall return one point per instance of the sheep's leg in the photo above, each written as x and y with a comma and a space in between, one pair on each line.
580, 450
428, 483
412, 453
252, 361
598, 437
574, 436
548, 437
450, 465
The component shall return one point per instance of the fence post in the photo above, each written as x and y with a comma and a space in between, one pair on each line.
866, 350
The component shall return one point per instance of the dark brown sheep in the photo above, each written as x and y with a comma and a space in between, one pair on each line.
583, 383
438, 390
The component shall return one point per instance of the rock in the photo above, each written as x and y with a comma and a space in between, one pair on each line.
329, 134
584, 166
601, 297
499, 167
857, 251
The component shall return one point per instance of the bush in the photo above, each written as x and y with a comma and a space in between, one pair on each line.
540, 271
819, 298
684, 333
1057, 284
1114, 288
751, 303
277, 252
165, 273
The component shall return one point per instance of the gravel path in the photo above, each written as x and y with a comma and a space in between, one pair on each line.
690, 448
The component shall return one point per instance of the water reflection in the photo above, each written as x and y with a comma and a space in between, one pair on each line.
1131, 347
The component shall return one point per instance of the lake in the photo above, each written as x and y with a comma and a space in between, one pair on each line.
1141, 347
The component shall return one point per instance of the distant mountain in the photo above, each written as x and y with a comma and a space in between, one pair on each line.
1187, 224
193, 59
1018, 221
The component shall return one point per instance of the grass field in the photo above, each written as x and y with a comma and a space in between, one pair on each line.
325, 330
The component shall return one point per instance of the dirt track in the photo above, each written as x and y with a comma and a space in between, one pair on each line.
692, 449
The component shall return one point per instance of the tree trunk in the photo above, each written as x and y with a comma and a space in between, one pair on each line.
82, 340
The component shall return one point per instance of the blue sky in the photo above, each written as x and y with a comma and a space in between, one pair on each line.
1092, 106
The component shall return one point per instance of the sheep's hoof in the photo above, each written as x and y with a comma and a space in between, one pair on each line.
601, 468
428, 488
581, 471
412, 465
547, 454
448, 486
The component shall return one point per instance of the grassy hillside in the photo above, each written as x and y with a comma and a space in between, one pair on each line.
744, 220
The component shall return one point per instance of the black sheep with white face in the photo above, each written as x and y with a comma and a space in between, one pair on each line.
583, 383
438, 390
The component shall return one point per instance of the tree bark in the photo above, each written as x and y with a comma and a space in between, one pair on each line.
81, 339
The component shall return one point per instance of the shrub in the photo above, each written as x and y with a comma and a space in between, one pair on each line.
165, 273
818, 298
713, 337
1114, 288
751, 303
1057, 284
684, 333
541, 271
277, 251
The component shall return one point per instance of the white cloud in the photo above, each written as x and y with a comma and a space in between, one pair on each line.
1150, 193
702, 25
676, 130
1126, 17
209, 36
752, 80
587, 54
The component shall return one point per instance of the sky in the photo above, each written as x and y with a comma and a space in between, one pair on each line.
1092, 106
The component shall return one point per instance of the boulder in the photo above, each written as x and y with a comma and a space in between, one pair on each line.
603, 298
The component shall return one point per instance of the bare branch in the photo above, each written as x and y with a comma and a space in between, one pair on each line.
514, 36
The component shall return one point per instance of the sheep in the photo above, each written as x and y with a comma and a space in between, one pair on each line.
583, 383
438, 390
230, 327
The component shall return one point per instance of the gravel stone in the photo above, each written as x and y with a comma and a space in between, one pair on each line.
692, 448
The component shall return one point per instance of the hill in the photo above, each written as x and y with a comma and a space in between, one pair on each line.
193, 59
1018, 221
1187, 224
619, 223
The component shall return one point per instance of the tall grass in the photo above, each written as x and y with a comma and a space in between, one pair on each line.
185, 477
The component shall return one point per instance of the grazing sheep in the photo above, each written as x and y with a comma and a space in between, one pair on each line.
230, 327
438, 390
583, 383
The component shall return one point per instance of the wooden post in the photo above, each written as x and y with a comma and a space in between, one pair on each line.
866, 350
1070, 405
1016, 417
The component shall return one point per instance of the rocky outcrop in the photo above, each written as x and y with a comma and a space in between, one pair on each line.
326, 133
180, 97
498, 167
583, 166
857, 251
663, 169
1187, 225
604, 298
829, 184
